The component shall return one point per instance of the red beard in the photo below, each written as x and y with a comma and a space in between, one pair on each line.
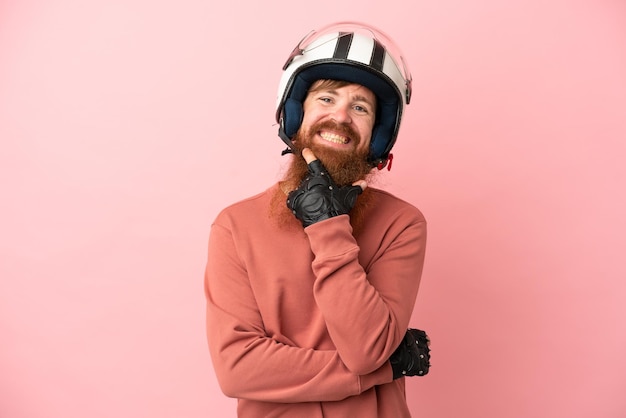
345, 167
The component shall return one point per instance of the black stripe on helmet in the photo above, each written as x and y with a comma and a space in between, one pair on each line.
343, 45
378, 56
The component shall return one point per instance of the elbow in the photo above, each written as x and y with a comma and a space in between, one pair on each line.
229, 373
228, 389
230, 383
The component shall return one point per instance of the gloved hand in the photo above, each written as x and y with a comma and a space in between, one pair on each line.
318, 197
412, 357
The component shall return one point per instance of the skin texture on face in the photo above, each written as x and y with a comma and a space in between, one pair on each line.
339, 116
337, 126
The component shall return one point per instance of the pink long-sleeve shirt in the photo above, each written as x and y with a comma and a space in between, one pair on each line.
302, 322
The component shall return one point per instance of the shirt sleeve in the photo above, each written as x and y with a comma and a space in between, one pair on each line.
249, 364
367, 309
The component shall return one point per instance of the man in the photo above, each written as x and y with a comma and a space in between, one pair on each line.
311, 284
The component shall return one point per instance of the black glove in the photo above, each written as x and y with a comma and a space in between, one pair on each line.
318, 197
412, 357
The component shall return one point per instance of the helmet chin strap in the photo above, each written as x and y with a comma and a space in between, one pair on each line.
290, 147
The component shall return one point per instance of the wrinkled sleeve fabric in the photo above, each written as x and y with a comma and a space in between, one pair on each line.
367, 308
249, 364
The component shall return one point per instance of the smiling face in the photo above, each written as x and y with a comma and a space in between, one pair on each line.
339, 116
337, 126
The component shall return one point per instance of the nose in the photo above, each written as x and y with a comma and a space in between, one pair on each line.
341, 114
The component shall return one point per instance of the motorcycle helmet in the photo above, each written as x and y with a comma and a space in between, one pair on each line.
353, 52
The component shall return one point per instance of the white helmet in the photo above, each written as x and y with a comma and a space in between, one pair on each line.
352, 52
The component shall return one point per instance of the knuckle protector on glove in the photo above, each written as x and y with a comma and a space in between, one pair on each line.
412, 357
318, 197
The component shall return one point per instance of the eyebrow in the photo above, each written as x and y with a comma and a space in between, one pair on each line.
360, 98
357, 97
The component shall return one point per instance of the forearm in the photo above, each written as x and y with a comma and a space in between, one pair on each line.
366, 313
250, 365
248, 362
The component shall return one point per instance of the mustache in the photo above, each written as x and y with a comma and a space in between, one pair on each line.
340, 128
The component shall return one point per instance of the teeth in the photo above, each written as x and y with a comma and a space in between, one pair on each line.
337, 139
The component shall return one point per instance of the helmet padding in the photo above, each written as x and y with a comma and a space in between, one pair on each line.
353, 53
386, 106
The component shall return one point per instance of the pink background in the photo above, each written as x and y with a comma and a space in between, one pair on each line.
126, 125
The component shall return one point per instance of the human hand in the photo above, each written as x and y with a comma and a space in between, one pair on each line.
318, 197
412, 357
